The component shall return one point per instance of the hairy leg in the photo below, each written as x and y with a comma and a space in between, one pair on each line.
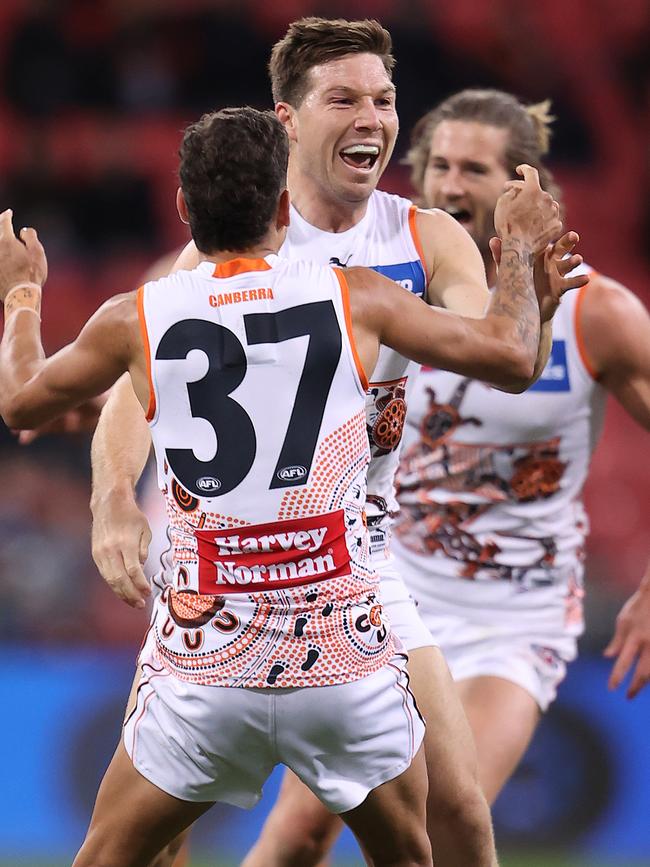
133, 819
391, 823
503, 717
458, 817
299, 831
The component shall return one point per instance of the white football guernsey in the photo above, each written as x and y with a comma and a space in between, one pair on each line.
257, 419
386, 240
490, 488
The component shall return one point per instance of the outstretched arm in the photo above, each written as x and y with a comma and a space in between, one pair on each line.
34, 389
615, 329
502, 347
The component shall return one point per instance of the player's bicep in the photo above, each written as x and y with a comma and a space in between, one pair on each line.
458, 281
414, 329
90, 364
615, 328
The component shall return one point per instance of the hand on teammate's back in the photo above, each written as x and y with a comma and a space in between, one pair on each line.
526, 213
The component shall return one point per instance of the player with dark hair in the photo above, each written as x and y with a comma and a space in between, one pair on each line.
269, 646
335, 97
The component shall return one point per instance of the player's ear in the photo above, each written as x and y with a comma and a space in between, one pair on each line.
284, 210
181, 207
287, 117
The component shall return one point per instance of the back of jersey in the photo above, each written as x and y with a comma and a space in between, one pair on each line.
257, 417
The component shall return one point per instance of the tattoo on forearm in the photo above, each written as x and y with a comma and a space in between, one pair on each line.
23, 297
515, 296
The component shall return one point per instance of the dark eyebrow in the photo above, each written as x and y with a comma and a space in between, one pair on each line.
474, 165
390, 89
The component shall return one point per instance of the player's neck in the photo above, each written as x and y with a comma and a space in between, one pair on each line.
320, 210
259, 251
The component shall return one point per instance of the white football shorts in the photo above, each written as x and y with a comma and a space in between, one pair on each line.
209, 743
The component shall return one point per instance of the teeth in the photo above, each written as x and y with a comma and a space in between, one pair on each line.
373, 150
457, 212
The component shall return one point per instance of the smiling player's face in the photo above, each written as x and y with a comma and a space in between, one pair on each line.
345, 128
465, 175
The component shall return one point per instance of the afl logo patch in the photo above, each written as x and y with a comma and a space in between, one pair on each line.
292, 473
208, 484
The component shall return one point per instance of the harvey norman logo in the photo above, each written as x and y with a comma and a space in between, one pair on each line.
270, 556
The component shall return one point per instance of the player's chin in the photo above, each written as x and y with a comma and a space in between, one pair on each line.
360, 185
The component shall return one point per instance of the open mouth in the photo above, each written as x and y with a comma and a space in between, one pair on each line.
360, 156
462, 215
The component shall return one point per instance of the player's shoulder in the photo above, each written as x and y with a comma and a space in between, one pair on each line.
610, 321
606, 301
436, 218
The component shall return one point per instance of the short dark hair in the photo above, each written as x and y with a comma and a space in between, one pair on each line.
233, 169
312, 41
528, 126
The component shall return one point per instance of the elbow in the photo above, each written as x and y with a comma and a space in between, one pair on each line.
16, 414
518, 371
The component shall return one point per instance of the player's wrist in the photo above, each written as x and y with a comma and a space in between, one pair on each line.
25, 295
119, 492
512, 243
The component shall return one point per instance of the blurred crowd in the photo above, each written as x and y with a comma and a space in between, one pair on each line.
93, 97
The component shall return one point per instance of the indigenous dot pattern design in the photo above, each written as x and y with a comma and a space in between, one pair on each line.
324, 633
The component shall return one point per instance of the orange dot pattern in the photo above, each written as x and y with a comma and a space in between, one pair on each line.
328, 632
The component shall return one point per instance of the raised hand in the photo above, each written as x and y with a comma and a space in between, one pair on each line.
552, 274
21, 261
525, 214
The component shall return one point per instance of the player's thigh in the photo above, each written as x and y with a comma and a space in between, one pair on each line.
347, 739
390, 824
449, 745
133, 819
503, 717
299, 812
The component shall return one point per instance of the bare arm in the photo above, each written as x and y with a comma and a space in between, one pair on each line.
453, 260
552, 274
502, 347
120, 532
615, 329
119, 452
496, 349
35, 389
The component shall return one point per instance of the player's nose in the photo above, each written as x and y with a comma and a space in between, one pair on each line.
367, 116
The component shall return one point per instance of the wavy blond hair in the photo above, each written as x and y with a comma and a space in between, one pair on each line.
529, 128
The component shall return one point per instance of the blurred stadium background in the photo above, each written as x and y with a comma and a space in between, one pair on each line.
93, 96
